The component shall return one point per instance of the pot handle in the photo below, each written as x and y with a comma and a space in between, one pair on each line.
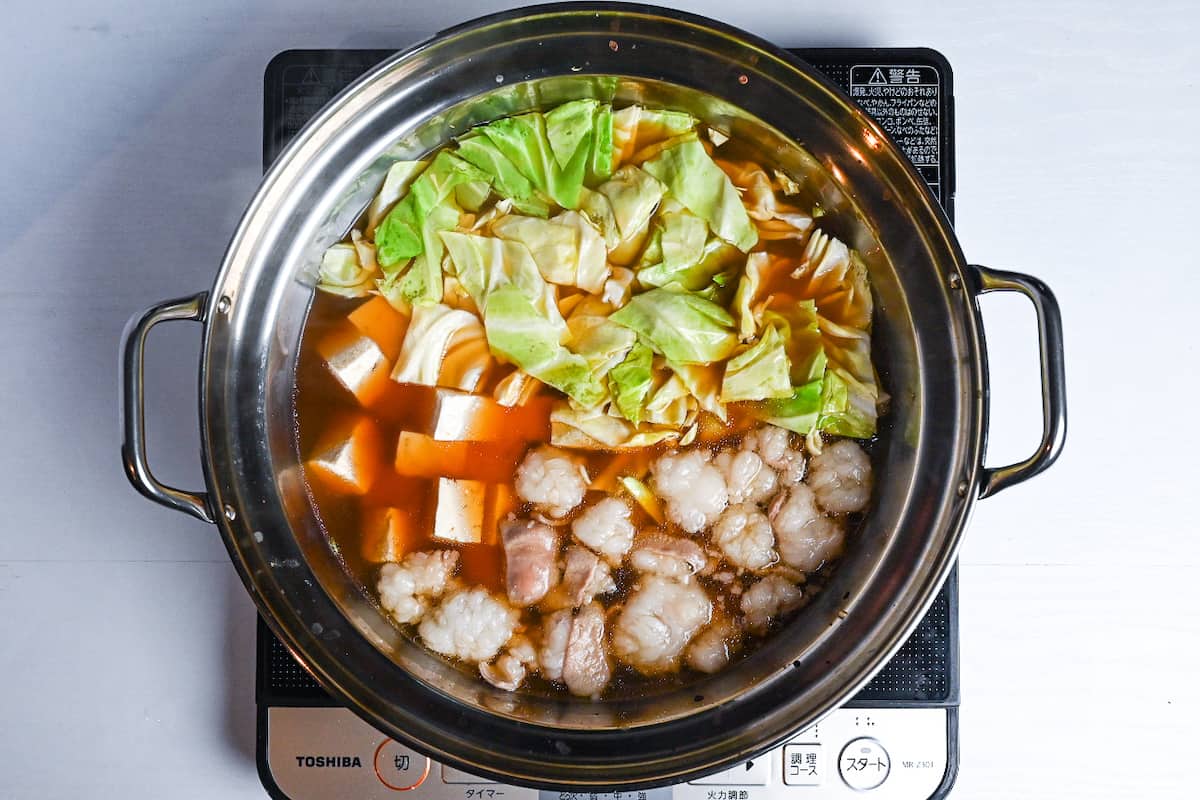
133, 418
1054, 398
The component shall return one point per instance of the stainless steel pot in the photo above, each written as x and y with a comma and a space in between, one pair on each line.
929, 347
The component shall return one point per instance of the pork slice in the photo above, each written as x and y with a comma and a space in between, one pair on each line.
530, 549
585, 576
671, 556
586, 669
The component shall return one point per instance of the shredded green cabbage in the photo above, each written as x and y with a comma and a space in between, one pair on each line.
607, 255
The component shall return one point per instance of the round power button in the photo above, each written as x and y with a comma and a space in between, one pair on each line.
399, 768
864, 764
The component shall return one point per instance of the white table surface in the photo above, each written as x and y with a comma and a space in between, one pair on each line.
129, 143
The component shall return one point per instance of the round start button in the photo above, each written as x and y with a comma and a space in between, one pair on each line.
864, 764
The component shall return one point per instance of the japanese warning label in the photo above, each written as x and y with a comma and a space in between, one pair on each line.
904, 101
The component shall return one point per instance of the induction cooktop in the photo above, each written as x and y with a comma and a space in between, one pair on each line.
897, 739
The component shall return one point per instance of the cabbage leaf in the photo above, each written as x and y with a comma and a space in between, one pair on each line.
635, 127
595, 429
636, 195
599, 211
759, 372
618, 288
342, 273
848, 407
798, 412
685, 328
711, 267
522, 140
472, 196
554, 247
532, 142
485, 264
432, 333
670, 403
835, 402
421, 284
389, 288
567, 249
598, 339
630, 382
799, 326
591, 261
580, 134
773, 219
520, 333
508, 181
694, 179
400, 176
526, 328
632, 196
516, 388
848, 348
703, 382
683, 238
407, 231
411, 228
749, 285
836, 278
601, 166
569, 126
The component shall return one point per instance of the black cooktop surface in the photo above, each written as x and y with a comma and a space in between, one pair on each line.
908, 91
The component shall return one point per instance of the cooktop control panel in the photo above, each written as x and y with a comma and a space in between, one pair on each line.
318, 753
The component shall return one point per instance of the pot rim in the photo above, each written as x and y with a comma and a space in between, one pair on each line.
284, 620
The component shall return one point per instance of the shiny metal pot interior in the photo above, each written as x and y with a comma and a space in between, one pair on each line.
928, 344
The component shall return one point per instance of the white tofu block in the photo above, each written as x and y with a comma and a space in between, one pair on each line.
462, 417
357, 363
347, 456
460, 511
